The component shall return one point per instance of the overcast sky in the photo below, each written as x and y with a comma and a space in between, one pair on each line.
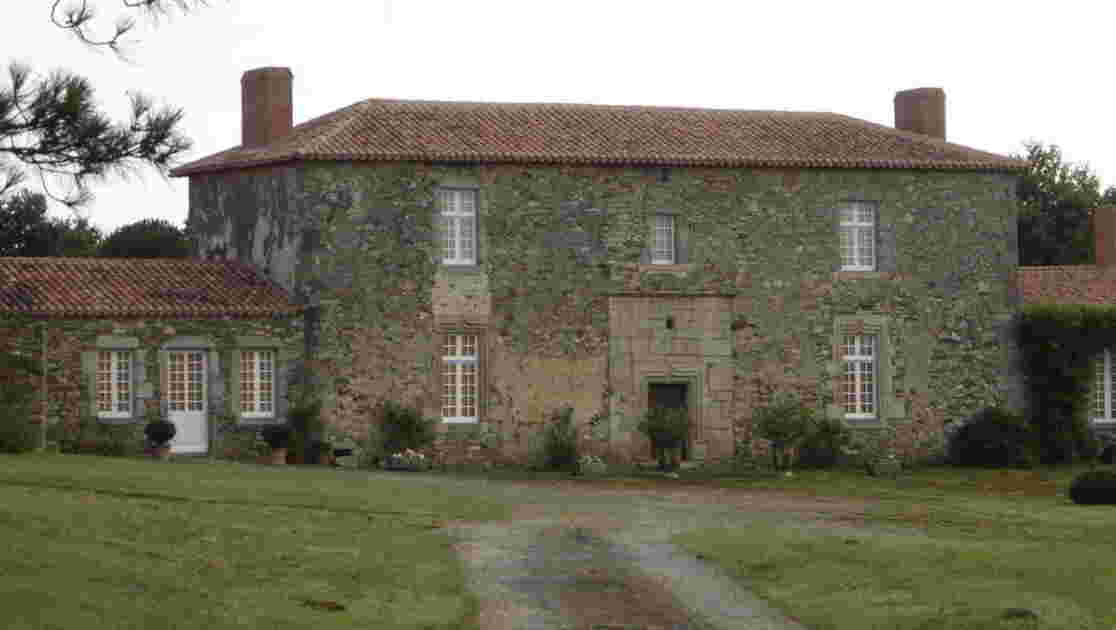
1011, 70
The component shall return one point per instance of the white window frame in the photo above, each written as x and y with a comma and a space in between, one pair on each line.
256, 356
460, 363
857, 233
664, 240
858, 352
458, 225
119, 382
1104, 388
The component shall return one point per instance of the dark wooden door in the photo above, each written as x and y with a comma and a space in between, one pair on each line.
672, 395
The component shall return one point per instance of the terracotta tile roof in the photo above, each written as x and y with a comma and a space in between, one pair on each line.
65, 288
1070, 284
553, 133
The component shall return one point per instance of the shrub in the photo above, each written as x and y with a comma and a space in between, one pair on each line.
305, 418
667, 428
403, 428
560, 441
159, 432
994, 438
277, 435
1095, 487
821, 448
17, 434
785, 422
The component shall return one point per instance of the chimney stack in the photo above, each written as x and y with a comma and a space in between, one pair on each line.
921, 110
266, 111
1104, 236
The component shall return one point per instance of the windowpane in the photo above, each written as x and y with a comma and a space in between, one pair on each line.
267, 382
123, 382
663, 240
460, 376
466, 238
1099, 382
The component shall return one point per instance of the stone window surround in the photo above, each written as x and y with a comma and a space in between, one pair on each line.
888, 407
461, 328
257, 342
118, 344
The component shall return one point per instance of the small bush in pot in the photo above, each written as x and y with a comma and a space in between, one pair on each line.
1094, 487
403, 428
821, 447
785, 422
159, 432
278, 437
560, 441
667, 428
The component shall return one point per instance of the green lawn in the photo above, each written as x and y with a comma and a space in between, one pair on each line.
93, 542
951, 549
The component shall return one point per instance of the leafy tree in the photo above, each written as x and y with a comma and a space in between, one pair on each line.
147, 238
52, 127
1056, 202
25, 230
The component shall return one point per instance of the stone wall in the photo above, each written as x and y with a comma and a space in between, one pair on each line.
571, 313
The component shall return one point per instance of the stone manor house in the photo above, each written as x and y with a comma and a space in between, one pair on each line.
492, 262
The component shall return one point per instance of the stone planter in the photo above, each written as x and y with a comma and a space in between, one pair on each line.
278, 456
392, 462
161, 452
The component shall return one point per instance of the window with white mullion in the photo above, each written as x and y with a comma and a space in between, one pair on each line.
858, 237
257, 384
859, 386
458, 220
459, 378
114, 384
1104, 386
662, 243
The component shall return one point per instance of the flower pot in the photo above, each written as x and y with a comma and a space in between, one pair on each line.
884, 468
161, 452
279, 456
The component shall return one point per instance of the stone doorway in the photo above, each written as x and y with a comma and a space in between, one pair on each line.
674, 396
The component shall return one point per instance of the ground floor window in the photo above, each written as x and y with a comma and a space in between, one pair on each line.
460, 371
859, 383
114, 384
1104, 384
257, 383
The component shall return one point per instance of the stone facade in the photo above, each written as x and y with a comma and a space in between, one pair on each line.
70, 359
569, 310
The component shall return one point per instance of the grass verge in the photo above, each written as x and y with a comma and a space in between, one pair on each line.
123, 543
943, 548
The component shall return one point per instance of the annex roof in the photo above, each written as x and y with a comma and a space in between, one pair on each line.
555, 133
66, 288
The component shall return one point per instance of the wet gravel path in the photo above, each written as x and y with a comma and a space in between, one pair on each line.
578, 555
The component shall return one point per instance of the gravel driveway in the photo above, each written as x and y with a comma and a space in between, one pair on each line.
597, 555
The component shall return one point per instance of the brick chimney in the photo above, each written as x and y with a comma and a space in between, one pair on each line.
921, 110
1104, 236
266, 111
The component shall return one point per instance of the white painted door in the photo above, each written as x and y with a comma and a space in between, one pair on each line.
186, 398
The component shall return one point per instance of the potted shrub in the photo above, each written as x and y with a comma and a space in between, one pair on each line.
159, 433
278, 437
785, 422
402, 431
406, 460
667, 428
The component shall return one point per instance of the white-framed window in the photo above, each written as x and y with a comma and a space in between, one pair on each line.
257, 383
460, 371
857, 230
458, 225
114, 384
859, 383
1104, 388
662, 240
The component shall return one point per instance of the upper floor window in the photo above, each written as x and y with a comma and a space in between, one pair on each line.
858, 236
1104, 387
458, 220
663, 251
257, 383
459, 378
114, 384
859, 383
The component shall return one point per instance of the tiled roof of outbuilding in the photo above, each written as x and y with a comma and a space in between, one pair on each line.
65, 288
1069, 284
555, 133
